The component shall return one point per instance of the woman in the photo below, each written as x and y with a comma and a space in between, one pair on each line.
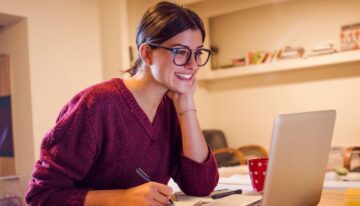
147, 121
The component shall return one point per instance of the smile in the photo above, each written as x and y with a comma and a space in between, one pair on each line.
184, 76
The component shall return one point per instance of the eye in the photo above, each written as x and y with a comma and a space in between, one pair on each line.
179, 51
199, 52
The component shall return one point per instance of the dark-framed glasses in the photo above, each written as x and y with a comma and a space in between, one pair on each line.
182, 54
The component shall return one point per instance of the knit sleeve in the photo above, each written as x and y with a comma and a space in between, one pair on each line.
198, 179
67, 153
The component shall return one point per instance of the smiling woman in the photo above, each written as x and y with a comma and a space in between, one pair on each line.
147, 121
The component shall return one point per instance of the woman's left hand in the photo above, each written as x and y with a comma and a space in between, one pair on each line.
193, 142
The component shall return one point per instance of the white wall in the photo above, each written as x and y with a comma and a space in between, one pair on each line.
136, 9
114, 36
64, 54
244, 107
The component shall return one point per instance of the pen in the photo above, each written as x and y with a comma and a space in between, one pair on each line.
147, 178
221, 195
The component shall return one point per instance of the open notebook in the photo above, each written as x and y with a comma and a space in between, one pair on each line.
238, 200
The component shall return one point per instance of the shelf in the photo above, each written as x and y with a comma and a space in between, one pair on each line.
283, 65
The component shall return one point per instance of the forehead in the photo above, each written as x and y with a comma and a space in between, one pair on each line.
190, 38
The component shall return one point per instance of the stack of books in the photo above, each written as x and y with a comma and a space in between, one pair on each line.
261, 57
321, 49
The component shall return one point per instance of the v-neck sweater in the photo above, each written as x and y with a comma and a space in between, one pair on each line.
101, 136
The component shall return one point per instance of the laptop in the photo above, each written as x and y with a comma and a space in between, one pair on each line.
299, 153
297, 162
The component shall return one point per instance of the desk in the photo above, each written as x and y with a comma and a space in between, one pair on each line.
333, 190
332, 195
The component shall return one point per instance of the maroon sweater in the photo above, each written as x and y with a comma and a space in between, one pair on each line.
101, 136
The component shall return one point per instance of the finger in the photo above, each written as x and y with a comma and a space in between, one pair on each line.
152, 198
161, 198
156, 203
166, 190
162, 192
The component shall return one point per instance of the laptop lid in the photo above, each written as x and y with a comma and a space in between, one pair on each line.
299, 152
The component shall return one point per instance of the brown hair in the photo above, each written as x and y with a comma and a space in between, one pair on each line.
163, 21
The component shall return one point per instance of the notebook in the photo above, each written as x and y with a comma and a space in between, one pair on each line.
299, 152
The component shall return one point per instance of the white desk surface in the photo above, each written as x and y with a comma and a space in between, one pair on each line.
333, 193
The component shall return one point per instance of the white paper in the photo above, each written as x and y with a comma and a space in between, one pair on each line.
238, 200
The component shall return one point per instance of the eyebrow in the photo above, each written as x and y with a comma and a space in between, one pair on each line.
182, 45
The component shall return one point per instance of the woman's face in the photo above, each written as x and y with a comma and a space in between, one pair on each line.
179, 79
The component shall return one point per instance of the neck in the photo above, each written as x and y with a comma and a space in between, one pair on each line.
147, 92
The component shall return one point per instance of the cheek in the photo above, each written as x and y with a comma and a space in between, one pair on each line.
162, 69
156, 73
161, 73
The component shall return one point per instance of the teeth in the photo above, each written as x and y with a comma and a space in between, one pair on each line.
184, 76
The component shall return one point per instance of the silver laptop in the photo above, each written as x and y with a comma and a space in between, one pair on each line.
298, 157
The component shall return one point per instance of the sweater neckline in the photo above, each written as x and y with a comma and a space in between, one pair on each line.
134, 106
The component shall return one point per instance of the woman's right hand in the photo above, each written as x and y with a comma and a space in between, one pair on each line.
148, 194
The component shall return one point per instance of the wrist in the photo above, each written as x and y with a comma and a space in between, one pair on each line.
186, 111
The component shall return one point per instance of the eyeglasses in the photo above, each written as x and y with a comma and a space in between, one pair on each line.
182, 55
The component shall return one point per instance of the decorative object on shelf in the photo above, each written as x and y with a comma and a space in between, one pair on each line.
356, 33
214, 57
322, 48
350, 37
239, 61
292, 52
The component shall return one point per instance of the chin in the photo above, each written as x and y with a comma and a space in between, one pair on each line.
180, 90
179, 87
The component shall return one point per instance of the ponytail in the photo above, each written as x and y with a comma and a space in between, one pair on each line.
134, 69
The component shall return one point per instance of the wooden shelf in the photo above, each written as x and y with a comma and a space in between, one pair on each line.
283, 65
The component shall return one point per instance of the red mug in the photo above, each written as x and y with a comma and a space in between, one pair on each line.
257, 168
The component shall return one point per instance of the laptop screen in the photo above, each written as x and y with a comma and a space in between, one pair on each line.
298, 157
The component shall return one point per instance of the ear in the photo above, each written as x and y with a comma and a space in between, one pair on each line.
145, 53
